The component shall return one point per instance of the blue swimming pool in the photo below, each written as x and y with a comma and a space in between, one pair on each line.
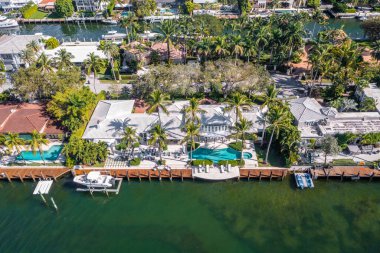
49, 155
217, 155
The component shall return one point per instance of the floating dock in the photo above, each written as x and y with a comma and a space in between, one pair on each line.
303, 180
43, 187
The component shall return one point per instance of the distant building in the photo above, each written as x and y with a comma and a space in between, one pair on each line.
11, 47
88, 5
10, 5
47, 5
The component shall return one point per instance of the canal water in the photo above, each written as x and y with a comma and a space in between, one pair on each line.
194, 217
94, 31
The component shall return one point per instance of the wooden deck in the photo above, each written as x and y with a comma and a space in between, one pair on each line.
353, 172
59, 20
30, 173
264, 173
142, 173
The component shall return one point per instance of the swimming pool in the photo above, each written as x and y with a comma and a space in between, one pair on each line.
217, 155
48, 155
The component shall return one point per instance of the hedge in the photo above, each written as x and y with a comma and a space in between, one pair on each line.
201, 162
350, 11
232, 162
135, 161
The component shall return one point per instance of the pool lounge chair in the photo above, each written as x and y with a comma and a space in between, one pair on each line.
228, 167
221, 168
207, 168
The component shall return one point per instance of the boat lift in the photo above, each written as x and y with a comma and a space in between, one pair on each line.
106, 190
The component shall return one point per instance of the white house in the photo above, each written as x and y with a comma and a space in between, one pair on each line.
110, 117
315, 121
11, 47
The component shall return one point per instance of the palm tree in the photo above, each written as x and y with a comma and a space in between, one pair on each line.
157, 101
111, 50
34, 46
93, 64
237, 46
36, 142
294, 36
63, 58
13, 141
167, 29
221, 47
269, 99
130, 138
192, 131
240, 129
375, 53
158, 137
192, 111
278, 118
261, 40
44, 63
28, 56
348, 104
237, 102
128, 22
203, 48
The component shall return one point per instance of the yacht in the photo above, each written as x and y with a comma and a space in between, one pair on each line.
95, 179
7, 23
114, 36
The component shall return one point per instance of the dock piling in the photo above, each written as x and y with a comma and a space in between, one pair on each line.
21, 179
54, 205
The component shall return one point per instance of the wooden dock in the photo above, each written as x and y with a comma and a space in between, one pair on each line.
264, 173
346, 172
30, 173
59, 20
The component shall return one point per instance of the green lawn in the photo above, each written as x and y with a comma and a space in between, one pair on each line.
275, 158
39, 15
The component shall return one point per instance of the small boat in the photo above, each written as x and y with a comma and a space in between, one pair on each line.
95, 179
363, 18
109, 21
7, 23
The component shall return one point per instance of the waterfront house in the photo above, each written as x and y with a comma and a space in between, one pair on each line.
24, 118
110, 117
47, 5
11, 47
80, 50
89, 5
315, 121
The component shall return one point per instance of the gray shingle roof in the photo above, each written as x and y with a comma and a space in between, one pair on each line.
306, 109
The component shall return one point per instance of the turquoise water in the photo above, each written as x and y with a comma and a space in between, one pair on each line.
49, 155
217, 155
26, 137
194, 217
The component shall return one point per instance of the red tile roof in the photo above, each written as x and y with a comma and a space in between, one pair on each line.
24, 118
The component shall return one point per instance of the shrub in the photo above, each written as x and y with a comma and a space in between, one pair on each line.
236, 145
64, 8
340, 7
51, 43
201, 162
161, 162
28, 10
135, 161
350, 11
232, 162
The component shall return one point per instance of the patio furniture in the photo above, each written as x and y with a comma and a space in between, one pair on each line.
221, 168
207, 168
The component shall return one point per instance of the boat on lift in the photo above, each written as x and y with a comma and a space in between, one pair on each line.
95, 179
109, 21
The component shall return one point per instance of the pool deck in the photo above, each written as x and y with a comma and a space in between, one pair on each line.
215, 174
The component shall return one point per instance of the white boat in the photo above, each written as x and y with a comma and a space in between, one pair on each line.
114, 35
95, 179
7, 23
363, 18
109, 21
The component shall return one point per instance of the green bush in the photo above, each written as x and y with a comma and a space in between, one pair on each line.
201, 162
350, 11
232, 162
236, 145
340, 7
51, 43
64, 8
28, 10
135, 161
